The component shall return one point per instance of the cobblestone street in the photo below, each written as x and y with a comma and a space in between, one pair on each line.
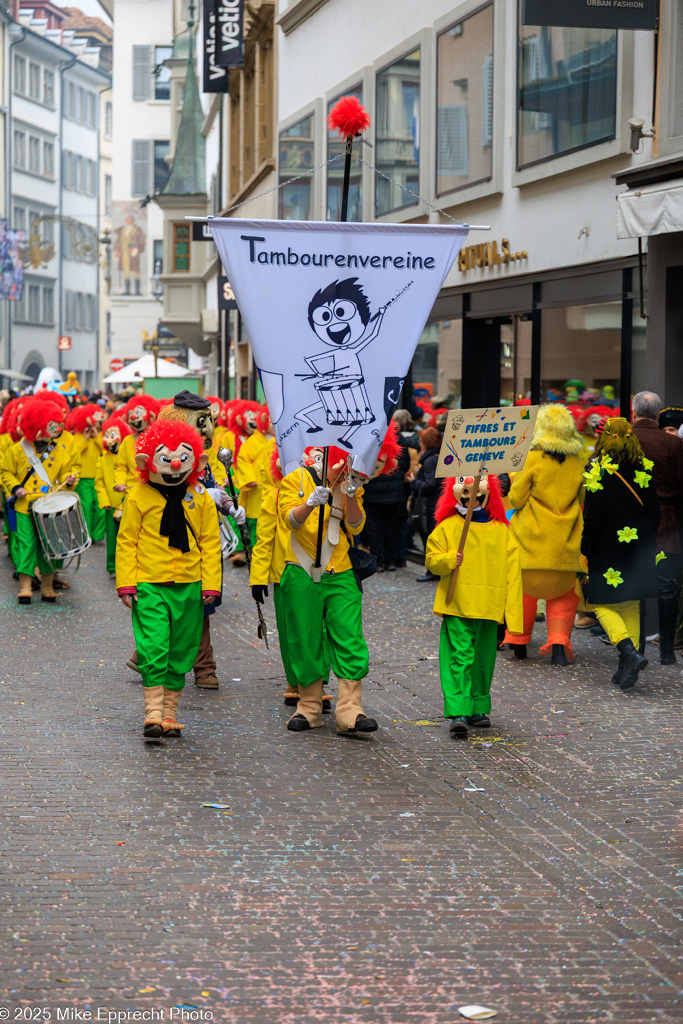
531, 869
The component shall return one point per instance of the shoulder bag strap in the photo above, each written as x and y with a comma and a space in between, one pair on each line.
635, 495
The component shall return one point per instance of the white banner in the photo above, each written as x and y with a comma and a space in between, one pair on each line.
334, 313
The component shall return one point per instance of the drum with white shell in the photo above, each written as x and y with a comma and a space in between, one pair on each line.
61, 527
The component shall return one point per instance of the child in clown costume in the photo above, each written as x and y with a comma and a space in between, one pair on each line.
32, 467
168, 565
113, 432
139, 412
84, 423
488, 590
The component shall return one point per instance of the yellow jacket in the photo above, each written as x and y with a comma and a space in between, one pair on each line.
107, 497
549, 523
144, 556
68, 442
224, 438
88, 451
269, 555
247, 471
489, 582
125, 470
307, 533
6, 443
216, 466
16, 466
263, 467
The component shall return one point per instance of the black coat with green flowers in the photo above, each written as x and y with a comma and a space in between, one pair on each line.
609, 517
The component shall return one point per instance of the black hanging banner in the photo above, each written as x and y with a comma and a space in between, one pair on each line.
215, 78
628, 14
229, 33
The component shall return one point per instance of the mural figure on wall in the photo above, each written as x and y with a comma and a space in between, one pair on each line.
130, 239
11, 266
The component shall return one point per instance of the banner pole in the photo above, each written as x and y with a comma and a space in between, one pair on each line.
463, 538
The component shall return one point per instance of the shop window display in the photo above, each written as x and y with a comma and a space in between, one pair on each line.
437, 365
567, 90
515, 361
464, 125
336, 147
581, 355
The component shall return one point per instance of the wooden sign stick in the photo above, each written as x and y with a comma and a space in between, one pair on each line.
463, 537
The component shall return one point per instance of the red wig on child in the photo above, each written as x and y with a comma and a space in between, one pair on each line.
445, 506
82, 417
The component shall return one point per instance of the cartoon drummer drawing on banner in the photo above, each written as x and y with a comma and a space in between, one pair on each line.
340, 317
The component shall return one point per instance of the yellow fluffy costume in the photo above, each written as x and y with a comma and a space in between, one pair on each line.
547, 527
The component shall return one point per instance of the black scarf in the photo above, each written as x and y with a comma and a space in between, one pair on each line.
173, 521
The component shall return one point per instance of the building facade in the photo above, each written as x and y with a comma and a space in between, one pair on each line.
496, 123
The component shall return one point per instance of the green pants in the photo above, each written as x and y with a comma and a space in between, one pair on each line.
167, 625
27, 553
324, 625
467, 658
281, 621
251, 525
10, 534
92, 513
111, 532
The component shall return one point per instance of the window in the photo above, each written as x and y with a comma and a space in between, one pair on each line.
20, 149
585, 338
78, 319
141, 175
82, 106
567, 90
19, 74
48, 160
34, 81
296, 156
107, 195
80, 178
398, 133
48, 305
91, 177
161, 168
72, 96
335, 172
90, 313
464, 117
142, 72
34, 154
158, 257
48, 88
162, 74
108, 120
181, 248
19, 218
34, 303
92, 109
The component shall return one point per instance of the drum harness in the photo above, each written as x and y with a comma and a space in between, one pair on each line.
36, 463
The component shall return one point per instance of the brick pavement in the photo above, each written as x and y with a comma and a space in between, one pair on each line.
351, 880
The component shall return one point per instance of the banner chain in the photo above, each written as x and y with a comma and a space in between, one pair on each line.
409, 191
282, 184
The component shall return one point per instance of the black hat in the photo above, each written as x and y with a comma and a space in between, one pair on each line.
671, 417
188, 400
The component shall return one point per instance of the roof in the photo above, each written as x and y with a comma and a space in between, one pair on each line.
79, 21
188, 171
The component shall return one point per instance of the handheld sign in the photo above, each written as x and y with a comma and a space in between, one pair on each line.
481, 441
477, 442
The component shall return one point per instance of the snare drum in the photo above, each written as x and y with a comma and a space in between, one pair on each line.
344, 400
60, 525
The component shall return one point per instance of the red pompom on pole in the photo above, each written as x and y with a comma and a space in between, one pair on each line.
348, 117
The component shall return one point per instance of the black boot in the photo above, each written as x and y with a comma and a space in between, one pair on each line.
519, 651
616, 678
558, 655
634, 663
667, 606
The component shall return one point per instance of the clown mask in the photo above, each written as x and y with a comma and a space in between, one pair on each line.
170, 466
92, 429
463, 491
138, 418
50, 431
249, 422
111, 439
313, 459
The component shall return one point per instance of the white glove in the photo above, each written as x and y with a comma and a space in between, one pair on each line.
220, 498
320, 496
352, 484
238, 514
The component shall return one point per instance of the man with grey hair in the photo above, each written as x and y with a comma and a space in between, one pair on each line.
666, 452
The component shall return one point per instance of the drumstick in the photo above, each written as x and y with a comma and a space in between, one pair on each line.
463, 538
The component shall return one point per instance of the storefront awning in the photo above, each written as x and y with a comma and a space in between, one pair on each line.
650, 210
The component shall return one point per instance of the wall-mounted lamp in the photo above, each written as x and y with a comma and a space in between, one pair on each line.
637, 133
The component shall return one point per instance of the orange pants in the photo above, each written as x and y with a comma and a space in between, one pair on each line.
559, 613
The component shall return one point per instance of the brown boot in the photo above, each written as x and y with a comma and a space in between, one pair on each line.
46, 589
207, 682
25, 591
348, 711
154, 708
309, 709
291, 696
170, 724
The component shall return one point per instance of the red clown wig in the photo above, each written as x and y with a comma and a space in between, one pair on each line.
82, 417
391, 449
445, 506
275, 468
151, 406
8, 423
170, 434
121, 426
34, 417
